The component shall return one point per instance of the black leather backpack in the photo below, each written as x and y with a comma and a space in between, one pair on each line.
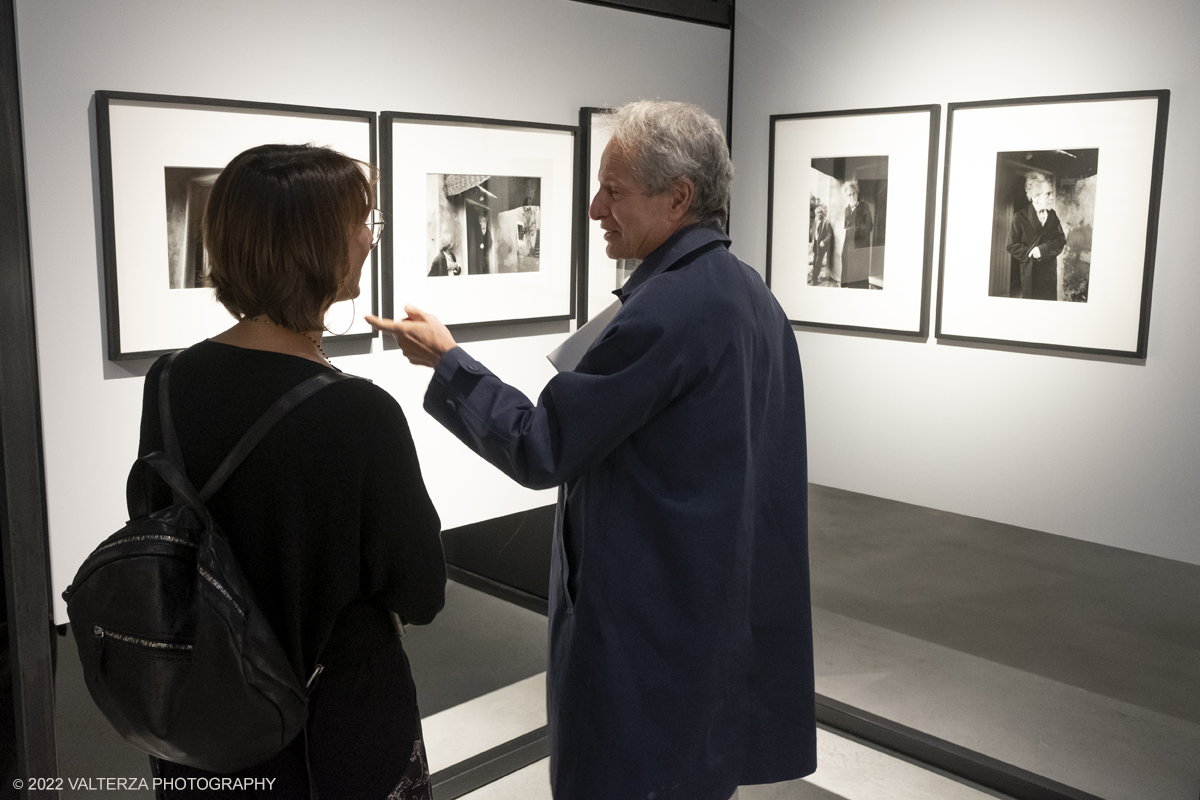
175, 650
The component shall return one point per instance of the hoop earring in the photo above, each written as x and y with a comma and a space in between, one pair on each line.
353, 316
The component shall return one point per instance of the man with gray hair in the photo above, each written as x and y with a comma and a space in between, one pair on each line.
1035, 239
680, 622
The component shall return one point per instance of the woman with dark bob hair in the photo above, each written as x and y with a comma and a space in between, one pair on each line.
328, 517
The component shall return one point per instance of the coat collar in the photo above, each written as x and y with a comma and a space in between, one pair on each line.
680, 244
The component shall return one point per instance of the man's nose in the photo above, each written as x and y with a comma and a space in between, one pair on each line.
596, 210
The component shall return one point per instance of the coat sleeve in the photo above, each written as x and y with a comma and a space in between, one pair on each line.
643, 360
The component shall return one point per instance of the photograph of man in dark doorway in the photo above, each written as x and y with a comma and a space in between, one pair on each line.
1062, 184
856, 258
821, 237
479, 239
1034, 241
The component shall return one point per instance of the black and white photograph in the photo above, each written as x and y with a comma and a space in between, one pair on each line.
482, 224
480, 217
1049, 221
158, 158
850, 205
1042, 224
847, 234
187, 194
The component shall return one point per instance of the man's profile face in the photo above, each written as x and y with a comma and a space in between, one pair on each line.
820, 215
634, 223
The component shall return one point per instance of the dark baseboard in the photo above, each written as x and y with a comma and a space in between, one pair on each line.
491, 765
496, 589
941, 755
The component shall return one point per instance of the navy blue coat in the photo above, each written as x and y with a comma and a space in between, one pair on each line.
681, 660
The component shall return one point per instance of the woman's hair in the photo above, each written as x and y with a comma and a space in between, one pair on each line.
278, 228
665, 141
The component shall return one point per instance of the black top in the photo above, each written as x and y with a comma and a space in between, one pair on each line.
328, 517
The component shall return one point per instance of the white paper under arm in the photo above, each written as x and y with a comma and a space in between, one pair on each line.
567, 355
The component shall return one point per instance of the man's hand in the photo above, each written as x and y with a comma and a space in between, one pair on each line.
1035, 253
422, 337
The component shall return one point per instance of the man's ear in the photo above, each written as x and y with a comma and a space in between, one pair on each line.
683, 191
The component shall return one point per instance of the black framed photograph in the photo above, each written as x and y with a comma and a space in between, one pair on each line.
1050, 219
480, 218
599, 275
158, 158
850, 210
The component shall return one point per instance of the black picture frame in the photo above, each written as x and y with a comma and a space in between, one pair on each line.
1083, 127
910, 143
565, 305
596, 277
180, 331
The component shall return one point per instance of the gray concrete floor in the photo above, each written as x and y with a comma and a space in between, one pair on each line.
1075, 660
847, 771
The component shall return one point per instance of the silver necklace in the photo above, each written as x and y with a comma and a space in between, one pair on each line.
269, 321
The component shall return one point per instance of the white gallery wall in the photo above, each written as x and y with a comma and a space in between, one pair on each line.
1105, 450
531, 60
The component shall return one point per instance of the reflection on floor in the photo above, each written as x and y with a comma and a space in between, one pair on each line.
476, 645
478, 725
1076, 661
1104, 746
847, 771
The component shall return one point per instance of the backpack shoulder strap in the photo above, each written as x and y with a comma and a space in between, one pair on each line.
297, 395
179, 483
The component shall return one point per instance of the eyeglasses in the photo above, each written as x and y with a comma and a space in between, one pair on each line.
375, 223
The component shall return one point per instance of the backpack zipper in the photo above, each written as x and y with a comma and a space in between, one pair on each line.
148, 536
216, 585
153, 644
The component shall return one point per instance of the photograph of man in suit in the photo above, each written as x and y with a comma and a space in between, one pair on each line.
856, 253
1034, 241
822, 247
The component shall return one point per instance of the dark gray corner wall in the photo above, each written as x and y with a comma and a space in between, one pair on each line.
23, 506
706, 12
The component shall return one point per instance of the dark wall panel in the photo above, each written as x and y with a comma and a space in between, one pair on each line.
23, 523
512, 551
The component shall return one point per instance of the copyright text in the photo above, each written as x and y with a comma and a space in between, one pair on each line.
143, 784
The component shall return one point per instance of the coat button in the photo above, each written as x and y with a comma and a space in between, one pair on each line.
450, 404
